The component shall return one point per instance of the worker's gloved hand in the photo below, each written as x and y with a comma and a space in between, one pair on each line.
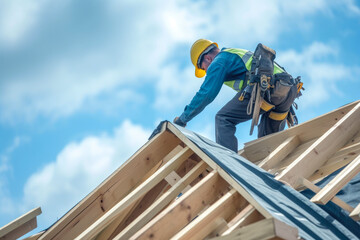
179, 122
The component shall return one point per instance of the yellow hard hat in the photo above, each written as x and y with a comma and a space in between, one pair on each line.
196, 49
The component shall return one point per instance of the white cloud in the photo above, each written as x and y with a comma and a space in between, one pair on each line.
175, 87
135, 52
16, 19
58, 94
320, 75
79, 168
145, 43
246, 23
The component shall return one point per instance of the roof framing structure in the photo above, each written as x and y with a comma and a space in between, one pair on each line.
304, 155
142, 199
174, 188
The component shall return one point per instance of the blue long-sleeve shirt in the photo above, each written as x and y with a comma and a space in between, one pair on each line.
226, 66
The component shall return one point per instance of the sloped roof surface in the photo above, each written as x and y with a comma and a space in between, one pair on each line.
349, 194
283, 202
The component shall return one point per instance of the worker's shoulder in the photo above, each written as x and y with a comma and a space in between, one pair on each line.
229, 54
235, 50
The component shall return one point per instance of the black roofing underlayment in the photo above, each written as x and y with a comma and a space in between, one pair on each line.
280, 200
349, 194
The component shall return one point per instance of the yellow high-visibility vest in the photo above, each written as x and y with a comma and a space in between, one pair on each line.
247, 57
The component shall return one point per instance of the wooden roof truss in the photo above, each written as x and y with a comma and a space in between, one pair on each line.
304, 155
170, 189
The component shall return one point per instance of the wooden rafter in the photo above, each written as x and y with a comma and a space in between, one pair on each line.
265, 229
259, 149
340, 159
336, 184
280, 153
20, 226
319, 148
137, 207
247, 216
355, 214
159, 204
335, 200
143, 188
115, 187
221, 171
323, 148
181, 212
171, 189
203, 225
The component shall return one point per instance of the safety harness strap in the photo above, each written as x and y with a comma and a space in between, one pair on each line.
266, 106
278, 116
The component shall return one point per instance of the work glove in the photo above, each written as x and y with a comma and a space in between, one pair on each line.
179, 122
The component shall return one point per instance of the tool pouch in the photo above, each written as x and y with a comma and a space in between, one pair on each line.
282, 84
263, 63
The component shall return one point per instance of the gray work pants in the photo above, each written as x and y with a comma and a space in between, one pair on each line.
235, 112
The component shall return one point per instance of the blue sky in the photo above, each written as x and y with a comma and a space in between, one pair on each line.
84, 83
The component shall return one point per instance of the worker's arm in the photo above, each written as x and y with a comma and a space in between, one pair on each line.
208, 91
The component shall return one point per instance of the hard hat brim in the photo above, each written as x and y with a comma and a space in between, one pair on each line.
199, 72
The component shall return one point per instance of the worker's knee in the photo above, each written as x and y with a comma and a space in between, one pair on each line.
219, 119
269, 125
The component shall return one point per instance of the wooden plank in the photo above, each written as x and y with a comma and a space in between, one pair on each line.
132, 212
337, 161
247, 216
202, 226
115, 187
184, 209
149, 198
244, 212
280, 152
21, 230
354, 140
159, 204
319, 152
258, 149
173, 178
355, 214
340, 159
222, 173
21, 225
220, 226
291, 157
141, 190
335, 200
138, 207
35, 236
263, 229
337, 183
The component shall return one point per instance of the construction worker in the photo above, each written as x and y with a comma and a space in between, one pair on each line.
233, 67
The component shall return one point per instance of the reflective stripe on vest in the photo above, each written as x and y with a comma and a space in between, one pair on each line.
235, 84
246, 56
